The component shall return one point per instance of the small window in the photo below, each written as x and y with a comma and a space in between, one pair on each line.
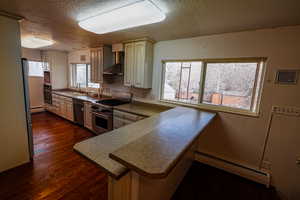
35, 68
233, 84
81, 76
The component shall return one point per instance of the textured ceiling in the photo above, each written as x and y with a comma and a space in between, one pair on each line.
57, 19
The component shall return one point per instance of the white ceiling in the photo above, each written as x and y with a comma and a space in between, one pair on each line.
57, 19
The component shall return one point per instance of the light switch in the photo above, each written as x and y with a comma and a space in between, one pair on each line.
285, 110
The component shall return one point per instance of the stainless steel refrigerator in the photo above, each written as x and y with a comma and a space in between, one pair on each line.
27, 105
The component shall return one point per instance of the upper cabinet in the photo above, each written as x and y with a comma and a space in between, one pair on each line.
100, 58
79, 56
57, 64
138, 64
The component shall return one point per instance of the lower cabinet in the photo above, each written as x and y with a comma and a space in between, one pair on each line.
122, 118
62, 106
69, 114
88, 115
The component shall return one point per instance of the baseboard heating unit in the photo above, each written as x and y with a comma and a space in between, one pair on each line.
234, 168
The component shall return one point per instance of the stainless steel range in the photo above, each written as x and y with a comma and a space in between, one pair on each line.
102, 114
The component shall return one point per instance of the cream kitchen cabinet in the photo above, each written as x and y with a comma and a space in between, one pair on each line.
88, 115
138, 64
122, 118
68, 108
62, 106
100, 59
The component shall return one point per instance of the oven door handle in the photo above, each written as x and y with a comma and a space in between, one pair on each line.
101, 115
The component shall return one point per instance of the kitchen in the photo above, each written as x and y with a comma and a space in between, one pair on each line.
152, 111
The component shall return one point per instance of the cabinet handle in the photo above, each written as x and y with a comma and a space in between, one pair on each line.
298, 161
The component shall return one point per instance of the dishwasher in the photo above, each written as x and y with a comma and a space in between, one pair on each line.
78, 106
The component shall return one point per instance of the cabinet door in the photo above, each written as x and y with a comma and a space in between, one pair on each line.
139, 66
87, 115
96, 65
64, 109
129, 64
69, 111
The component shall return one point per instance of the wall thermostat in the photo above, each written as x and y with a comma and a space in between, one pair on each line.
287, 77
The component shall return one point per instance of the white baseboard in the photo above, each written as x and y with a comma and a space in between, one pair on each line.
237, 169
37, 109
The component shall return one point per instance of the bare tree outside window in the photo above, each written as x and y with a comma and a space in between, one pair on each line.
182, 82
230, 84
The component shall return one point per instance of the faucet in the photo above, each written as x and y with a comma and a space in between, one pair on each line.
131, 97
100, 92
79, 87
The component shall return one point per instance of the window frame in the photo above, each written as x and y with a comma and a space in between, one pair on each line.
74, 75
254, 110
32, 60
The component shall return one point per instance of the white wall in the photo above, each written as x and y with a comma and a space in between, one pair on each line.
32, 54
238, 138
13, 133
36, 92
36, 84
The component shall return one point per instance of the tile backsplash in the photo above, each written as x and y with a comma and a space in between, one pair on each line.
115, 84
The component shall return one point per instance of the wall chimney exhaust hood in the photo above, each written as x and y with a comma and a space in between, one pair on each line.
132, 15
118, 66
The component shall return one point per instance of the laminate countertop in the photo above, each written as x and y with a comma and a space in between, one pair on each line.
140, 108
151, 147
77, 95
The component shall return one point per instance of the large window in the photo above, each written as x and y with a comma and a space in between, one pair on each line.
221, 84
35, 68
81, 76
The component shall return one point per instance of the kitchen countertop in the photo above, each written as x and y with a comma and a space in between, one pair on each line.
151, 147
76, 95
136, 107
144, 109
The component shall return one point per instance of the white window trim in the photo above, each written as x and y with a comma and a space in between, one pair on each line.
72, 79
221, 108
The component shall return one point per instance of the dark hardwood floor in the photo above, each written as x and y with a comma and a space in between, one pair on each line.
204, 182
57, 172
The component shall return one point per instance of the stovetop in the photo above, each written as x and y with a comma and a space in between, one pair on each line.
112, 102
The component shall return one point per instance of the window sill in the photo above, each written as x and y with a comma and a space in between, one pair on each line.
35, 76
214, 108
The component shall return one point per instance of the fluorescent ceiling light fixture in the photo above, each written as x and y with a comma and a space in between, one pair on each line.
136, 14
34, 42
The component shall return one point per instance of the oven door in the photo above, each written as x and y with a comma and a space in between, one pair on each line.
101, 122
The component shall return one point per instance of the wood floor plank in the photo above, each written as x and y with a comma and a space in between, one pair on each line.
57, 172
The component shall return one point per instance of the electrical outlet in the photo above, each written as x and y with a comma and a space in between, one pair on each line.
286, 110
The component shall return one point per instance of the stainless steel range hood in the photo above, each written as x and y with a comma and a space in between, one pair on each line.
117, 69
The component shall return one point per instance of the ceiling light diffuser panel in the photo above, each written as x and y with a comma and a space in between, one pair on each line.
34, 42
129, 16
